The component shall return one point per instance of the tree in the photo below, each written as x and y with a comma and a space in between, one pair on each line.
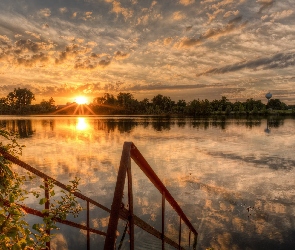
228, 109
163, 103
47, 106
20, 98
276, 104
15, 232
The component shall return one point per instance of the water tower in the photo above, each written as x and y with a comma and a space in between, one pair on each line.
268, 96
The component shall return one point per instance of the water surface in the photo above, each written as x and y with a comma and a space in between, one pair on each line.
234, 178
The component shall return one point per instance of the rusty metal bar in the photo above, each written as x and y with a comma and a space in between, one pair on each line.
130, 202
116, 212
179, 236
66, 222
44, 176
149, 172
88, 225
163, 220
47, 205
124, 213
117, 200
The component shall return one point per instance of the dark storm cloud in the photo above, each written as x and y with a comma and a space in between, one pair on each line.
280, 60
232, 25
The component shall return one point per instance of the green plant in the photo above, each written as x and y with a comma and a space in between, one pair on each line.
15, 232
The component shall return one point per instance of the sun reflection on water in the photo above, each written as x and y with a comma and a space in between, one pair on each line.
82, 124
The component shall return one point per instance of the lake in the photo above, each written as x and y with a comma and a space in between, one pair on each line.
233, 178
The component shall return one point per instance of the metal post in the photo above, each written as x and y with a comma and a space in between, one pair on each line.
117, 200
163, 220
47, 204
130, 201
179, 239
88, 234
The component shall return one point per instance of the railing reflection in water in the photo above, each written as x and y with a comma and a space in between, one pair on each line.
117, 210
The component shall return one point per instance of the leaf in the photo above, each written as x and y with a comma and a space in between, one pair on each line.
11, 198
12, 232
42, 201
36, 227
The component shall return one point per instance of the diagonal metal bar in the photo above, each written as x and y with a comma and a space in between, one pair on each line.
149, 172
66, 222
130, 202
45, 176
118, 195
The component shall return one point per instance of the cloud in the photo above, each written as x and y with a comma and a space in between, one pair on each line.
186, 2
178, 15
29, 61
188, 28
213, 33
167, 40
120, 10
264, 4
4, 38
63, 10
280, 60
120, 55
46, 12
45, 26
222, 4
214, 15
231, 13
65, 89
281, 15
26, 45
169, 87
104, 63
37, 36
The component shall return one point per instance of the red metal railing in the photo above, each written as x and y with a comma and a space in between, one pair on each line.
63, 186
117, 211
130, 151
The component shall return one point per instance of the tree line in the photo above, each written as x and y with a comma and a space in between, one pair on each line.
125, 103
20, 100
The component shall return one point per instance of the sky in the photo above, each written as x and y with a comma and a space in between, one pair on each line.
185, 49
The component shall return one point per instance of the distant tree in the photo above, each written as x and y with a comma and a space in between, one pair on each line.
255, 110
19, 99
241, 108
144, 106
3, 106
46, 106
228, 109
180, 106
276, 104
162, 103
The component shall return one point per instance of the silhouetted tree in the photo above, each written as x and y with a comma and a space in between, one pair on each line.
19, 99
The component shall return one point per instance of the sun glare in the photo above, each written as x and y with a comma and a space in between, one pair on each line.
81, 100
82, 124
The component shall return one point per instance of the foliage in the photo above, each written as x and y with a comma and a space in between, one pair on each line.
19, 101
125, 103
15, 232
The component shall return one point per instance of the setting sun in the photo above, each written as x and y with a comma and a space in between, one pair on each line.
81, 100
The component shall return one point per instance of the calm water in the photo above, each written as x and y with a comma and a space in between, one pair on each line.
234, 178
